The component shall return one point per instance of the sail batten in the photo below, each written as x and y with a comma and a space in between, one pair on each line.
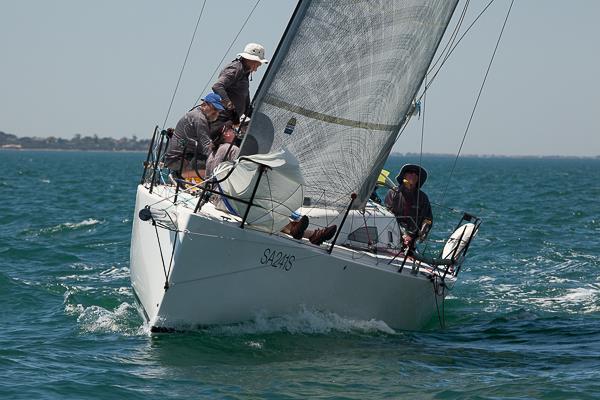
327, 118
341, 86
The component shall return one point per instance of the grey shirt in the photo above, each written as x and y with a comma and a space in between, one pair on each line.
233, 85
217, 157
192, 127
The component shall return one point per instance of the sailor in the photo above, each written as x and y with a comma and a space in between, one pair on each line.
297, 228
234, 82
410, 205
190, 145
223, 148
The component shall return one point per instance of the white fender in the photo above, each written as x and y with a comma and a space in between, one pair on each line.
466, 231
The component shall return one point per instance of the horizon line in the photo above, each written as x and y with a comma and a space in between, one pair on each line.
408, 153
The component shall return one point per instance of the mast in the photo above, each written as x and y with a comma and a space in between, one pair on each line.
278, 56
285, 38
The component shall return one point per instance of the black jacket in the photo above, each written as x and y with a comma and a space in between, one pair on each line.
410, 208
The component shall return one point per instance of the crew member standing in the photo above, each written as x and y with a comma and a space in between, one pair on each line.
233, 85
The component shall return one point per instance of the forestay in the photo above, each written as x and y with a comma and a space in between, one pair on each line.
340, 86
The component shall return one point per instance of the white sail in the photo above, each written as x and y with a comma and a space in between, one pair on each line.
340, 86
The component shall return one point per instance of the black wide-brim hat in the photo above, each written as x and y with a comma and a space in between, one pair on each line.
412, 168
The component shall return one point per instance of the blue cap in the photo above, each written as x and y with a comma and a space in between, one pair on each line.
214, 100
295, 216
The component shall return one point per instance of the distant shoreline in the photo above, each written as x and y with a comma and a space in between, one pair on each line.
409, 154
74, 150
528, 156
8, 141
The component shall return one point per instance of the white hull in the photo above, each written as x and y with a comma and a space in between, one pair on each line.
223, 274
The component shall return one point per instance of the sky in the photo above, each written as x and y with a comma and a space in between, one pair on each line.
110, 68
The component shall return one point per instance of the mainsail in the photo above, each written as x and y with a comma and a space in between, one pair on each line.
340, 87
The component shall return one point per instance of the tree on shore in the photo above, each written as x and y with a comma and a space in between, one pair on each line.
78, 142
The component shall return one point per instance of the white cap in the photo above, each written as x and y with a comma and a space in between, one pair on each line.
254, 52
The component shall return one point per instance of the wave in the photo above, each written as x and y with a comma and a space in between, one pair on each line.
575, 300
125, 319
77, 225
548, 293
114, 273
305, 321
70, 226
90, 273
95, 319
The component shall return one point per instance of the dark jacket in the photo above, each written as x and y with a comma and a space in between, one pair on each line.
233, 85
193, 125
410, 208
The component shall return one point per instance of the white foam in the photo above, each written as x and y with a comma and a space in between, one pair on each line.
557, 280
96, 319
115, 273
112, 274
304, 321
573, 300
70, 225
85, 222
103, 244
579, 295
82, 266
254, 344
71, 309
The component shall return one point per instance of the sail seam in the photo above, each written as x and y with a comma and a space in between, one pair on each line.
327, 118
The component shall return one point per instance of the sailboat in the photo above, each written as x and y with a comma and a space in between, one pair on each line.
336, 94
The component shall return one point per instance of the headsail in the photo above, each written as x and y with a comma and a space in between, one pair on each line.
340, 87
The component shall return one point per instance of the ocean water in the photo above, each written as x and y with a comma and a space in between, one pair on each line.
523, 322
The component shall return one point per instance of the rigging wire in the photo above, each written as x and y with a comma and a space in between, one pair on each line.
421, 149
441, 316
183, 66
454, 48
226, 53
453, 36
421, 162
477, 101
451, 40
186, 58
427, 85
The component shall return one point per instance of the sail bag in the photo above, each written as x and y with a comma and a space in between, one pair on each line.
278, 194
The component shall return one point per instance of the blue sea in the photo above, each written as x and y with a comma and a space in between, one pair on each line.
523, 321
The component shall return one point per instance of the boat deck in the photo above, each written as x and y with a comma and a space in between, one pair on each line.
386, 258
